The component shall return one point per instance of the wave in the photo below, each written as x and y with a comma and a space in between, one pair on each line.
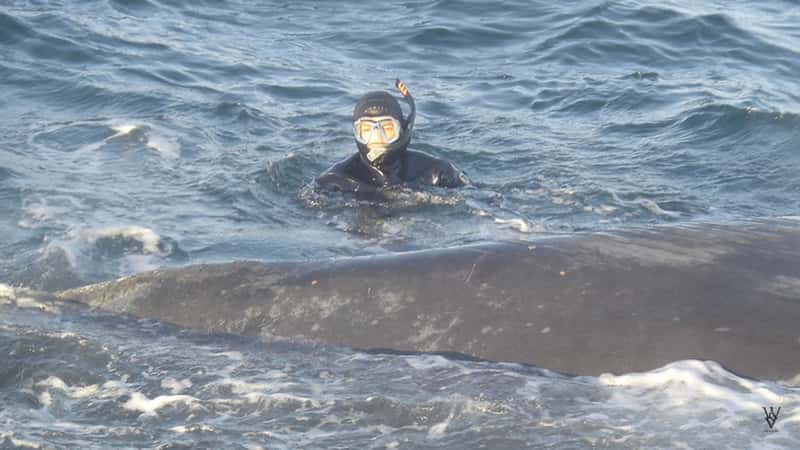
713, 121
300, 92
7, 173
288, 174
94, 254
134, 7
726, 119
657, 37
461, 37
31, 38
13, 30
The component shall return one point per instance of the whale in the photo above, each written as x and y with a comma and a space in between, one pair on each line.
584, 304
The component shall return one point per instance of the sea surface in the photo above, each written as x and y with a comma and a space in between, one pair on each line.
140, 134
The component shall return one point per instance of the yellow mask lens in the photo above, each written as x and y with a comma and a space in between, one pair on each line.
370, 130
389, 129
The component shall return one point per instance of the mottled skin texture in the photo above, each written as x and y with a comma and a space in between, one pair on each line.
585, 305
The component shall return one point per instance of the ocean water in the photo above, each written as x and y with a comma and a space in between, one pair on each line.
139, 134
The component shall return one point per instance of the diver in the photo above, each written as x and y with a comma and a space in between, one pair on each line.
382, 136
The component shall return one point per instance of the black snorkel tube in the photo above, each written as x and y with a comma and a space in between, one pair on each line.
409, 120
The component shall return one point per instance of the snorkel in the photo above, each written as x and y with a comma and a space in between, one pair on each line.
412, 114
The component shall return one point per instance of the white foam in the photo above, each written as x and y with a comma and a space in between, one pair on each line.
232, 355
167, 147
438, 430
32, 303
426, 362
123, 128
149, 239
35, 212
278, 399
120, 128
45, 399
411, 197
241, 387
17, 443
690, 404
481, 407
140, 249
183, 429
565, 191
114, 388
655, 209
521, 225
149, 407
53, 382
8, 294
74, 392
176, 386
687, 383
601, 209
64, 335
562, 201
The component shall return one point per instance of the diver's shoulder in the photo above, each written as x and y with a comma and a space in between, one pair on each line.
433, 170
340, 168
337, 172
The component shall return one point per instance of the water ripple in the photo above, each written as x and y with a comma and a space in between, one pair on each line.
585, 115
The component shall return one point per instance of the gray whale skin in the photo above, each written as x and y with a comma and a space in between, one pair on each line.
586, 304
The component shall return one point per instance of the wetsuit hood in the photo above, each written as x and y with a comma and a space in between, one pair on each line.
380, 103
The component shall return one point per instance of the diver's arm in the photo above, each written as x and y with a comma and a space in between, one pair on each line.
335, 182
434, 171
337, 179
332, 181
448, 176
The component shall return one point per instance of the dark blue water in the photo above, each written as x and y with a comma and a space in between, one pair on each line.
137, 134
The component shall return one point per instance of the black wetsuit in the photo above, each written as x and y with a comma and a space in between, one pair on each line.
409, 167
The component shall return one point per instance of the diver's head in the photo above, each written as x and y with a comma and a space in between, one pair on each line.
381, 131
